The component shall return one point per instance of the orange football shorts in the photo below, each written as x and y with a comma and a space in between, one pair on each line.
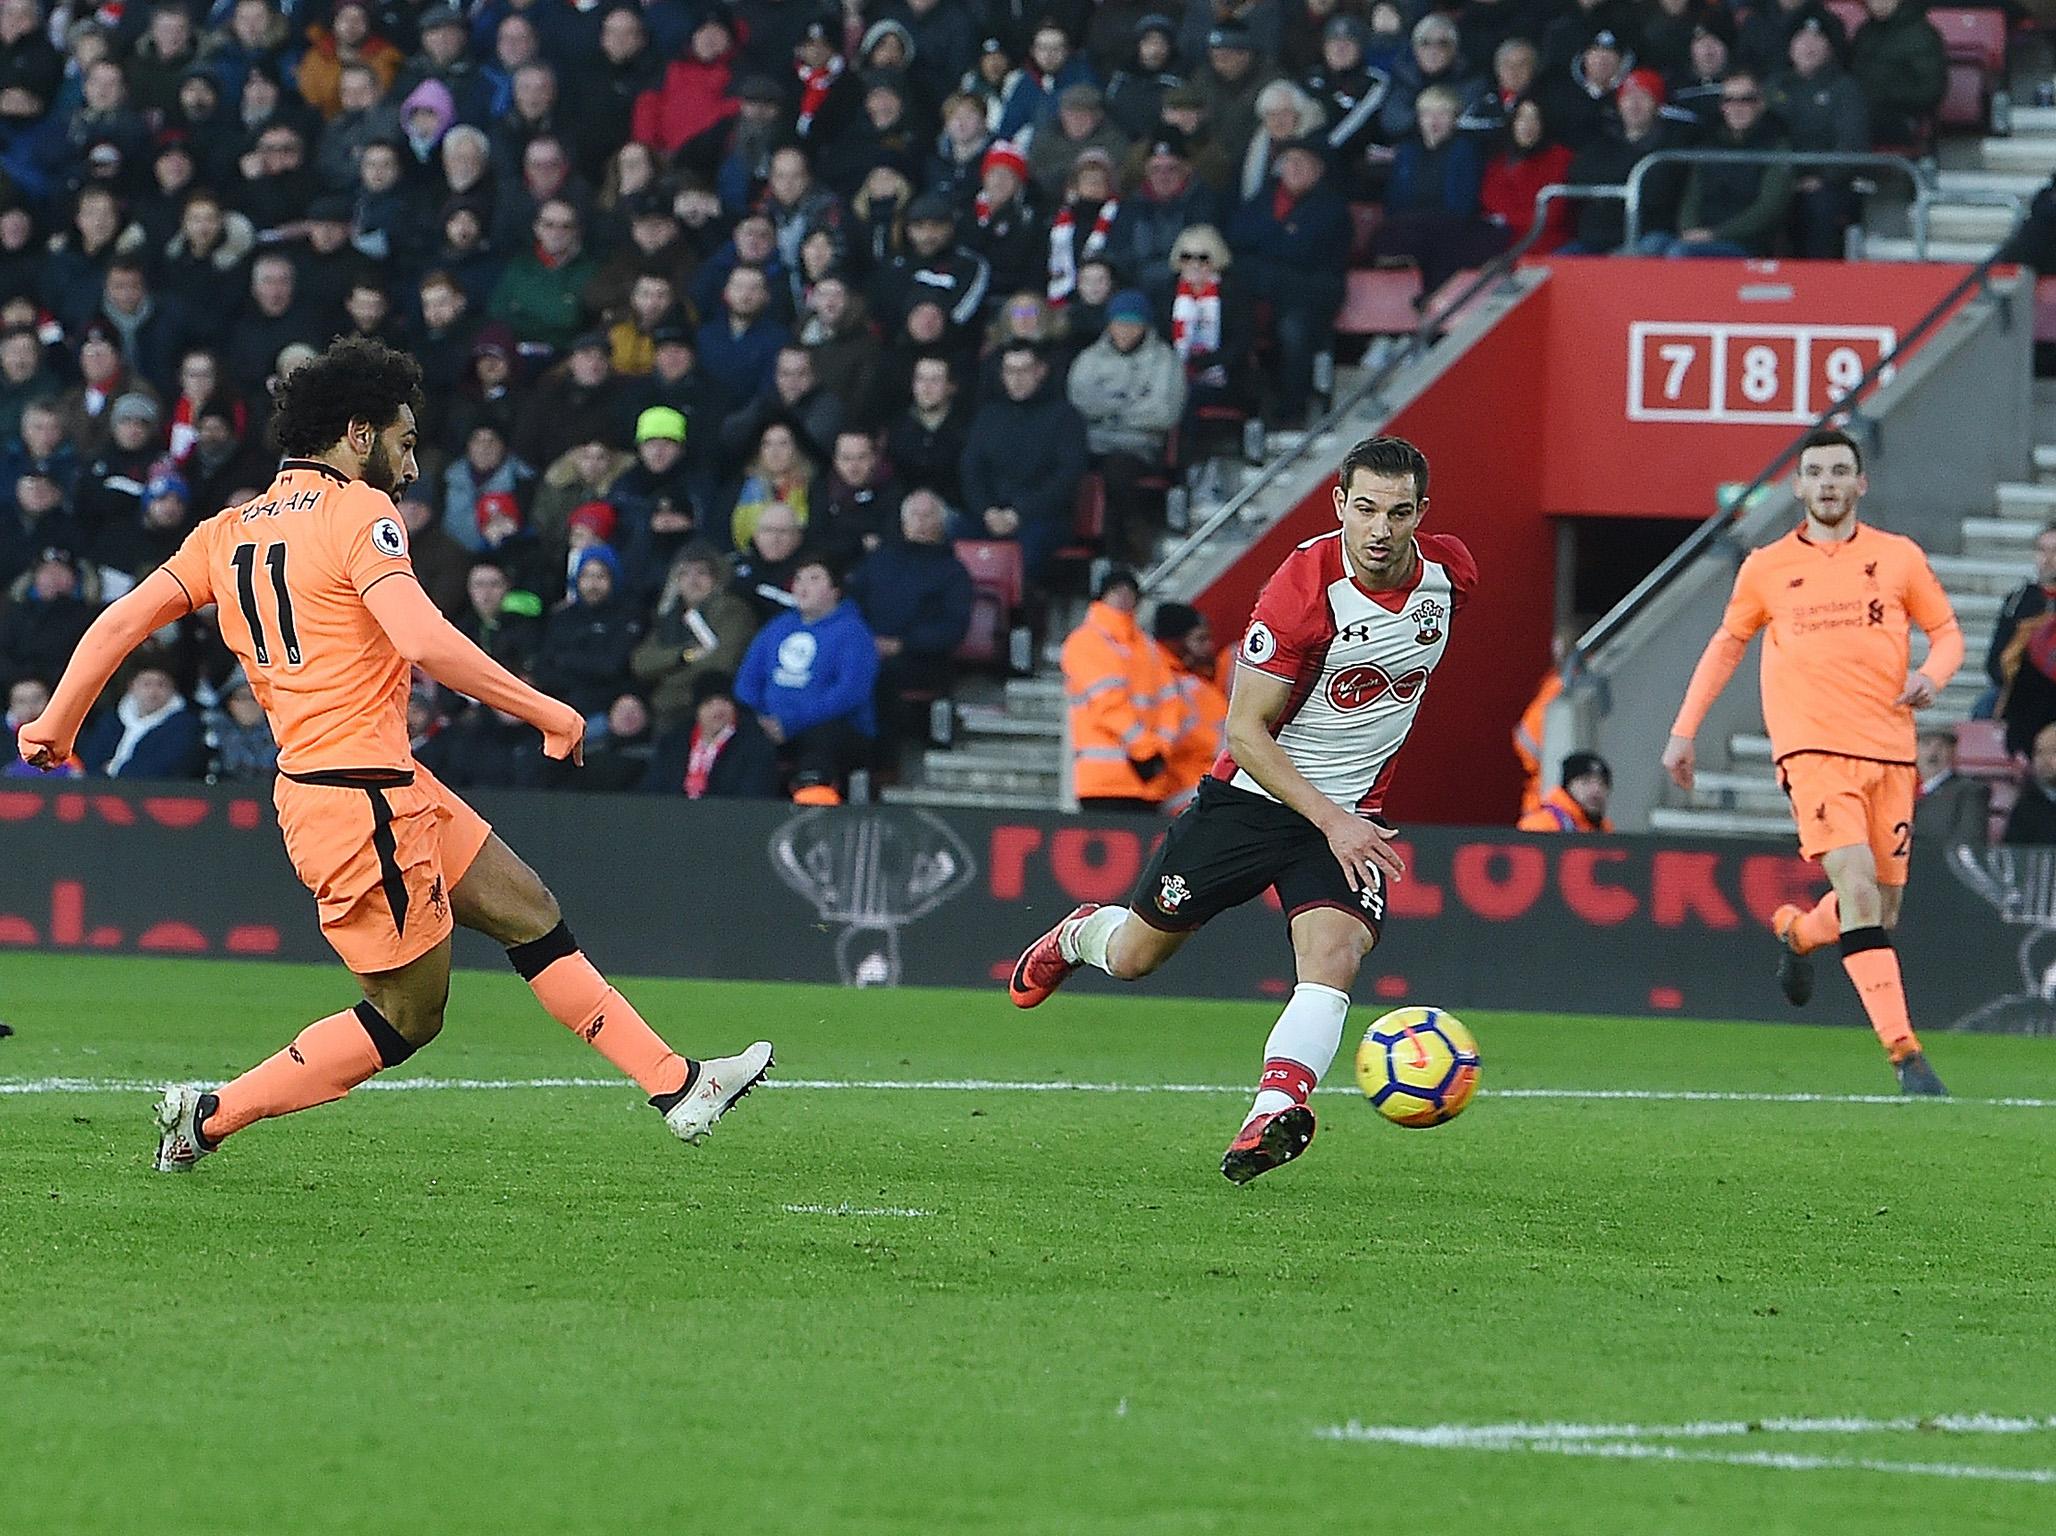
1840, 802
381, 850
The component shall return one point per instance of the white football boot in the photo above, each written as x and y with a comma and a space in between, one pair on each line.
721, 1081
179, 1145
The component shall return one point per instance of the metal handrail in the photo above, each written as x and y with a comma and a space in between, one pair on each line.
1490, 276
1826, 159
1711, 531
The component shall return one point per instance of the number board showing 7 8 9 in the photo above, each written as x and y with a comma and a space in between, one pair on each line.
1756, 375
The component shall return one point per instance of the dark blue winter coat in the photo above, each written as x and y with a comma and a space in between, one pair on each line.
919, 594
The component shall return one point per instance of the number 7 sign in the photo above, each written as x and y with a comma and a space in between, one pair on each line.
1746, 374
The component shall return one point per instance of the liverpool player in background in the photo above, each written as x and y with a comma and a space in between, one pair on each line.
319, 603
1330, 675
1838, 700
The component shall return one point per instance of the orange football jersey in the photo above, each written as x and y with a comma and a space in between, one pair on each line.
1838, 651
288, 572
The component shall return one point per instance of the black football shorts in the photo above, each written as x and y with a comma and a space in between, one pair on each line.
1230, 845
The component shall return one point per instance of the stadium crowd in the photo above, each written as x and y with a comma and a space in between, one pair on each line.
735, 314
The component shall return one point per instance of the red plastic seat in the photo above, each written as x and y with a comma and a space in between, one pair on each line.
995, 567
1089, 511
1442, 298
1850, 13
1364, 219
1981, 750
1380, 302
1973, 36
1963, 100
2045, 309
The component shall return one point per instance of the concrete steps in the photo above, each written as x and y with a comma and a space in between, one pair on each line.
2001, 538
2028, 502
962, 799
1993, 574
2016, 183
2031, 151
1891, 248
1017, 772
1974, 223
2045, 462
1695, 823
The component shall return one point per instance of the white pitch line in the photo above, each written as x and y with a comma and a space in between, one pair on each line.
57, 1085
846, 1209
1637, 1442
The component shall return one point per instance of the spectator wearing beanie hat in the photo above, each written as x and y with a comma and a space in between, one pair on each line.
581, 474
1130, 387
592, 527
110, 487
1579, 96
657, 499
1639, 130
484, 465
1695, 88
1004, 229
1823, 110
1169, 199
1140, 63
1578, 803
504, 536
587, 641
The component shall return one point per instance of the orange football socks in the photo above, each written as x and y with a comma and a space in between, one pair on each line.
1873, 967
325, 1061
578, 997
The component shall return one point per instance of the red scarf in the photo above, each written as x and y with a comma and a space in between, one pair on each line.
814, 86
185, 429
983, 208
1196, 318
1282, 203
700, 760
1064, 254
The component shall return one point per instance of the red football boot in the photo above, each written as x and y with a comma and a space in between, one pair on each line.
1267, 1142
1042, 967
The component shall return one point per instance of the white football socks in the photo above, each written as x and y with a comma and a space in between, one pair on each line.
1307, 1034
1085, 942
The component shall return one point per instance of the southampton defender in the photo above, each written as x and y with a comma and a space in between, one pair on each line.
1331, 674
1838, 700
318, 601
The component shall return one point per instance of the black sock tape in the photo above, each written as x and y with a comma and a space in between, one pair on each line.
1856, 940
393, 1047
538, 955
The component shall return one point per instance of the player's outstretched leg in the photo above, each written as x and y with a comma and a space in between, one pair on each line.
1800, 931
1109, 939
1328, 945
502, 897
402, 1011
1873, 966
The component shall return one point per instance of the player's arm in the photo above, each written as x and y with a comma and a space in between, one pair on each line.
1258, 702
421, 634
124, 624
1929, 606
1746, 614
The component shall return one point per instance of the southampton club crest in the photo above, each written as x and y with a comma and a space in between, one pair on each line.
1428, 617
1172, 894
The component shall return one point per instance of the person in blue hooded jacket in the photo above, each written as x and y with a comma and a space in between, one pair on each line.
808, 677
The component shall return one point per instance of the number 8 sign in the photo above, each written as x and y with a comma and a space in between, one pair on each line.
1746, 374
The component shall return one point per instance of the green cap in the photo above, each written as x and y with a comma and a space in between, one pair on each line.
660, 421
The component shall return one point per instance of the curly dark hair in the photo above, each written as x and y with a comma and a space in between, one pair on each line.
356, 379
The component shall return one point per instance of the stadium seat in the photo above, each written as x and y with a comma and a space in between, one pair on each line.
998, 585
1380, 302
2045, 309
1440, 301
1850, 13
1963, 102
2004, 793
1981, 750
1975, 40
1364, 219
1973, 36
1088, 520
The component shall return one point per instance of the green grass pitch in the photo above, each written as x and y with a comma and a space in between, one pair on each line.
992, 1310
